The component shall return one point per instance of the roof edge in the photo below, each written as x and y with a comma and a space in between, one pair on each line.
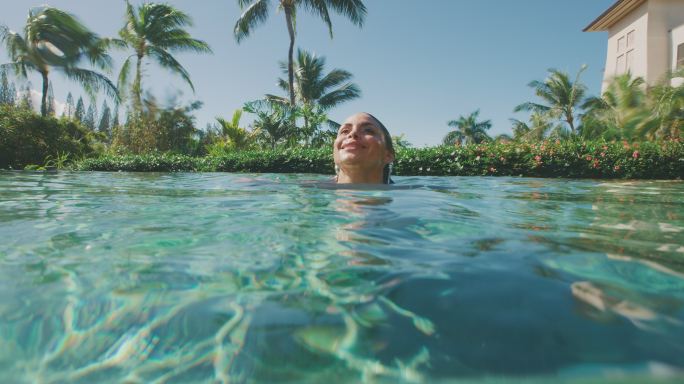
612, 15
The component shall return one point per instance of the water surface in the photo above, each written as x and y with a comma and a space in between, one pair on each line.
205, 278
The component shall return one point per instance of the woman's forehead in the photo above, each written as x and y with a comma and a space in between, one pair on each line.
360, 118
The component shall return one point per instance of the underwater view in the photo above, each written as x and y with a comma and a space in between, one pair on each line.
264, 278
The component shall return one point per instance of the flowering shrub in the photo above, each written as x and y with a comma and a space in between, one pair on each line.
572, 159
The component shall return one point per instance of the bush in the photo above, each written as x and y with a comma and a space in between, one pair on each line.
28, 138
573, 159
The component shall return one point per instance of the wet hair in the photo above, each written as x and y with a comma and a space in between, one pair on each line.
387, 170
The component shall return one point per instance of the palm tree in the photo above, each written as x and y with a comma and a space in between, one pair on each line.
256, 12
155, 31
315, 91
314, 87
238, 136
56, 40
668, 104
468, 130
621, 112
561, 95
274, 120
538, 127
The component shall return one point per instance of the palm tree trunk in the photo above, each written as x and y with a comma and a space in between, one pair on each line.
137, 87
290, 66
43, 100
571, 122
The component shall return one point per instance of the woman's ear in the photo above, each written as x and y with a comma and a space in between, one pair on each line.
389, 157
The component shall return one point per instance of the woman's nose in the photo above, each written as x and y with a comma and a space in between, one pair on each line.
353, 133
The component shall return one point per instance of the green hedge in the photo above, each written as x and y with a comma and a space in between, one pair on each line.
28, 138
573, 159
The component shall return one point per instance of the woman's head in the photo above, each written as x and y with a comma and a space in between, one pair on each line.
363, 150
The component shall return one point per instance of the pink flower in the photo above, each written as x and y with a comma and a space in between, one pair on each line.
635, 155
588, 158
537, 158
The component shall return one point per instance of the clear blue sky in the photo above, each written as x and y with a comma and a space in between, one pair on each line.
419, 63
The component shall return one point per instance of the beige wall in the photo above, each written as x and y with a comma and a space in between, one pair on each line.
676, 38
663, 17
636, 21
658, 30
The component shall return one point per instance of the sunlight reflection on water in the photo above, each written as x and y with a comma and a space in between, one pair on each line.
122, 277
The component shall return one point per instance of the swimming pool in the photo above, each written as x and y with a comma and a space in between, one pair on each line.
194, 278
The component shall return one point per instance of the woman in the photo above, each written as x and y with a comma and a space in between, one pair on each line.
363, 151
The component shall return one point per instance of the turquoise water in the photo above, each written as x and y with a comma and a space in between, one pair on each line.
212, 278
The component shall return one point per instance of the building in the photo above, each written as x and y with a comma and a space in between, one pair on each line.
645, 38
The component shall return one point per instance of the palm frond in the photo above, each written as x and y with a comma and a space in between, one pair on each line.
169, 62
255, 15
354, 10
92, 81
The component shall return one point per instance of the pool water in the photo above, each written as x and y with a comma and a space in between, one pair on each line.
216, 278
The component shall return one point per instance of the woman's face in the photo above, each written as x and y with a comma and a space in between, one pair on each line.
360, 142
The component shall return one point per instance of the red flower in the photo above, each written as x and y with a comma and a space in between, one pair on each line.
635, 155
596, 164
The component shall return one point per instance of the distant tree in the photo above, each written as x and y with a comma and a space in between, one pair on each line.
12, 94
91, 117
274, 121
69, 108
105, 125
155, 30
561, 95
238, 137
7, 90
25, 101
540, 125
468, 130
400, 141
51, 106
56, 40
256, 13
115, 119
79, 113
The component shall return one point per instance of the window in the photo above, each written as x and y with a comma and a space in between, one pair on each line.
680, 56
625, 53
620, 68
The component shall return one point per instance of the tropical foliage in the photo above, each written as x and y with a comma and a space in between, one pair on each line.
28, 138
171, 128
256, 12
561, 96
468, 130
570, 158
56, 40
236, 137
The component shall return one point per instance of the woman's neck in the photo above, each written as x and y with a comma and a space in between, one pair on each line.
359, 176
